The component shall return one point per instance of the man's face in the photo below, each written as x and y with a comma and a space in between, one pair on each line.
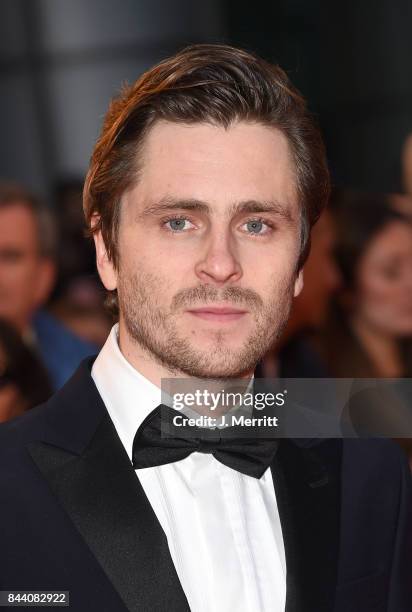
208, 245
25, 277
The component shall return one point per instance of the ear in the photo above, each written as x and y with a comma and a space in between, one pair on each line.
105, 265
298, 283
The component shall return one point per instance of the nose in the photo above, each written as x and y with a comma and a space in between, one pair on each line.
219, 263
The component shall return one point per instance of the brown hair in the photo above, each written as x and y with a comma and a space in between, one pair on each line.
205, 83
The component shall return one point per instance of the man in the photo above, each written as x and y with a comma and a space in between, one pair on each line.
27, 273
200, 196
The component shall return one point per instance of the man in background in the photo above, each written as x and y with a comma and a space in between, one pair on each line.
28, 244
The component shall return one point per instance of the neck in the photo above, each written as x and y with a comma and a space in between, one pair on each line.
382, 349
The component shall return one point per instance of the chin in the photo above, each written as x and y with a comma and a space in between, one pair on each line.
216, 373
216, 339
214, 363
231, 357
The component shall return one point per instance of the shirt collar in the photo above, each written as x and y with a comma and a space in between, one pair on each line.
129, 396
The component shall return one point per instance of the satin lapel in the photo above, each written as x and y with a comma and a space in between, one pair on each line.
307, 485
99, 491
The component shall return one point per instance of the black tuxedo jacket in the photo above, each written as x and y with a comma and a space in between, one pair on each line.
74, 517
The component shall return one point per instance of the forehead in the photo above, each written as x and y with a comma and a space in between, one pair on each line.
246, 161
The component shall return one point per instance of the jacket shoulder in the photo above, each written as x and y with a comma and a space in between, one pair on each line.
65, 419
372, 466
373, 453
24, 428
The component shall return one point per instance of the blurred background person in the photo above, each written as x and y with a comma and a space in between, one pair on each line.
369, 332
401, 202
27, 274
297, 355
24, 382
75, 254
78, 298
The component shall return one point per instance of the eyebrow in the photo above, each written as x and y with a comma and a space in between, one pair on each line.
248, 206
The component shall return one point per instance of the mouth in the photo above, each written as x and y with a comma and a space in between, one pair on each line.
218, 314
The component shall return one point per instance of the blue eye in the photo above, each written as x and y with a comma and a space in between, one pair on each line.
254, 227
257, 227
177, 224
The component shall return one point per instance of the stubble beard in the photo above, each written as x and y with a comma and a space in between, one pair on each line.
155, 331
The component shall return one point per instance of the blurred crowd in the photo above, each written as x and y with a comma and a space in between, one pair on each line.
353, 318
52, 311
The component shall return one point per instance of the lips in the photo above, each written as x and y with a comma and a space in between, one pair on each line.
218, 314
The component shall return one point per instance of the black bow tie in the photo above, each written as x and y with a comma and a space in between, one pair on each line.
151, 447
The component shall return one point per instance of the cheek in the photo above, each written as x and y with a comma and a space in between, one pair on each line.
20, 278
276, 271
379, 301
274, 261
150, 251
376, 289
274, 283
158, 273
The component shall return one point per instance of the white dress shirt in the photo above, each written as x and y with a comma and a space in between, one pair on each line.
222, 527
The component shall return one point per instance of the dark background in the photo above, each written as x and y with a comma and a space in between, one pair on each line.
62, 60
